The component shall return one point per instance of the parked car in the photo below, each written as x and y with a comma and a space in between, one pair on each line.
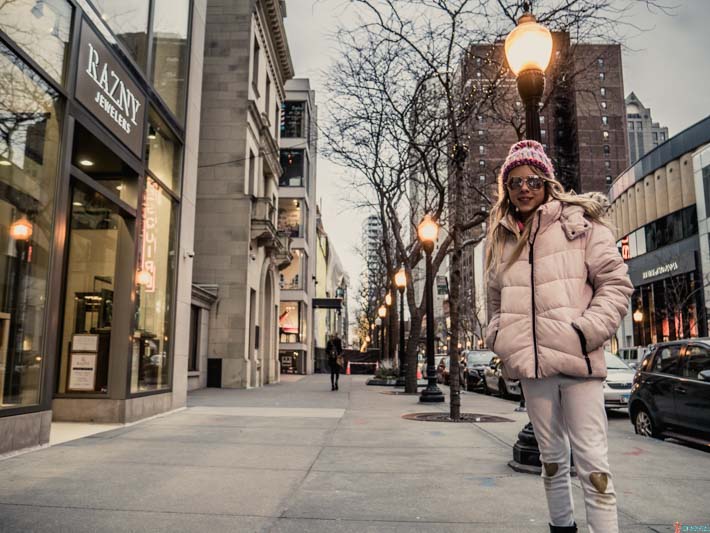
493, 380
617, 385
670, 396
437, 362
633, 355
444, 374
476, 363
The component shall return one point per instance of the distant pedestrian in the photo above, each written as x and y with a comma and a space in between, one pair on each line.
334, 350
557, 290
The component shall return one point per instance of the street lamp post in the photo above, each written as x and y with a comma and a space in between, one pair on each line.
528, 49
390, 326
381, 314
400, 280
376, 335
427, 233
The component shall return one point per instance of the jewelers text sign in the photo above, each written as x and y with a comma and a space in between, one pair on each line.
104, 87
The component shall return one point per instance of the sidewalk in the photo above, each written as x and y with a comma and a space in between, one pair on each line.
296, 457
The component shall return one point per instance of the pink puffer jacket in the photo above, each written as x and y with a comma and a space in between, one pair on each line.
553, 309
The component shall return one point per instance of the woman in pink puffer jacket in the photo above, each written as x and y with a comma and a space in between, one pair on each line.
557, 291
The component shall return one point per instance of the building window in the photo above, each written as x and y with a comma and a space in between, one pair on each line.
291, 217
293, 163
480, 133
605, 120
291, 278
607, 164
479, 118
294, 119
631, 125
170, 61
42, 29
481, 149
602, 76
607, 151
605, 135
608, 180
481, 163
478, 61
163, 153
255, 68
600, 62
602, 91
603, 104
128, 21
482, 178
655, 137
291, 322
267, 105
193, 359
543, 133
542, 119
152, 352
662, 136
671, 228
31, 128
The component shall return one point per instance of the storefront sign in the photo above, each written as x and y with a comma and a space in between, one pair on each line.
104, 87
150, 234
678, 258
82, 372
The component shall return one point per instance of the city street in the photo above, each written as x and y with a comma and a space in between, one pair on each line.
296, 457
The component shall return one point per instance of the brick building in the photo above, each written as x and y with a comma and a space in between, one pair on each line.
582, 121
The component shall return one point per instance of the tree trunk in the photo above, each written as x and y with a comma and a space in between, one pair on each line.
455, 283
415, 329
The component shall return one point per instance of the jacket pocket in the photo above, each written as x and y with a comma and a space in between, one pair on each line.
583, 344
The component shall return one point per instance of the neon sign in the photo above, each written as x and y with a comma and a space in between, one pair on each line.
149, 235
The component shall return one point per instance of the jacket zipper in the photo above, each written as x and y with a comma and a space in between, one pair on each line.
532, 290
583, 342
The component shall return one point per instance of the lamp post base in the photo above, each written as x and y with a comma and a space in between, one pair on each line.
431, 395
526, 454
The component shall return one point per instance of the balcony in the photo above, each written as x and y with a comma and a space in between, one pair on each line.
280, 250
263, 222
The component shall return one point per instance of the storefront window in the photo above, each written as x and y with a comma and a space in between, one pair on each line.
155, 280
291, 322
291, 217
293, 163
128, 20
97, 233
163, 153
42, 28
29, 149
170, 30
291, 276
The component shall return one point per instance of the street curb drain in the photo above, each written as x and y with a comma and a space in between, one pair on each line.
466, 418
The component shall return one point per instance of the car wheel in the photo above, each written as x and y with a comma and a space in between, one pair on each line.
644, 425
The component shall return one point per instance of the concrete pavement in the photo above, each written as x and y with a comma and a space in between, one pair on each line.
297, 457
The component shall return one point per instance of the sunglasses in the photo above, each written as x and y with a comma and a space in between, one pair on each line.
534, 183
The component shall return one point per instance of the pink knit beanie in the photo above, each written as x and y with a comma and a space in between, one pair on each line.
529, 153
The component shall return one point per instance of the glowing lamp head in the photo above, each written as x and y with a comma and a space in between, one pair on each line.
428, 230
528, 46
638, 316
378, 322
21, 230
382, 311
388, 299
400, 278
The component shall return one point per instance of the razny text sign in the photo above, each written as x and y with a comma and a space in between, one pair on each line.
104, 87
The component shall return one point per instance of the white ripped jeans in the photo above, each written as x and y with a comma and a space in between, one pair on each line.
566, 410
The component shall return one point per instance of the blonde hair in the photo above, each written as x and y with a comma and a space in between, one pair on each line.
594, 205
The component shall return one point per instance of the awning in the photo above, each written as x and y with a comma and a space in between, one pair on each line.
327, 303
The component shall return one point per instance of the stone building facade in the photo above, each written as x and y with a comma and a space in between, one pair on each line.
238, 247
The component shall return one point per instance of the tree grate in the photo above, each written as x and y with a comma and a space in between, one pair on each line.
466, 418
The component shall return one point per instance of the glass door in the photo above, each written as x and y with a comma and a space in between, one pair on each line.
100, 249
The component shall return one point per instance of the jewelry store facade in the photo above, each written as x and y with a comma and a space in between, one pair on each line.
99, 121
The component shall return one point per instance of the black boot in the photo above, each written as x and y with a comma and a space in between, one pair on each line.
563, 529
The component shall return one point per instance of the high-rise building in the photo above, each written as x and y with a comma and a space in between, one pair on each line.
582, 122
239, 250
372, 239
644, 134
297, 218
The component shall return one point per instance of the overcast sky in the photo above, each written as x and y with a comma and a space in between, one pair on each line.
668, 67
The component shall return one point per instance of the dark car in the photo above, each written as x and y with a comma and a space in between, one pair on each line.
670, 396
476, 363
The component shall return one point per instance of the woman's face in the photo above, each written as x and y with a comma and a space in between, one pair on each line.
526, 190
